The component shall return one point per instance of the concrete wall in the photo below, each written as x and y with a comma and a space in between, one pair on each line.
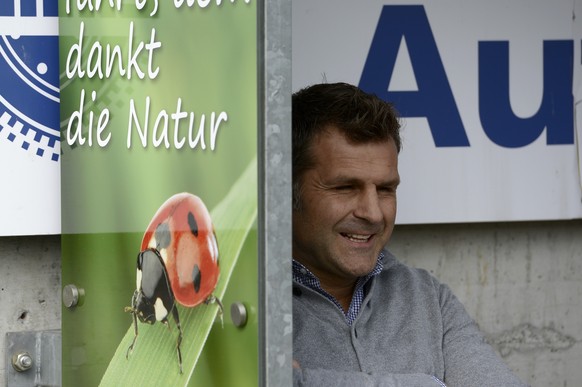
522, 282
30, 286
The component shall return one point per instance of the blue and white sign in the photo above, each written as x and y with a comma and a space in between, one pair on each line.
29, 118
488, 92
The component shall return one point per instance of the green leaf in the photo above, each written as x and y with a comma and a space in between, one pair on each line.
154, 361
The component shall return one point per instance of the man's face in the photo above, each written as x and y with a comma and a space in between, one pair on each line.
347, 207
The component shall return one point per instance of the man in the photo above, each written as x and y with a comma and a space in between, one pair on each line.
361, 318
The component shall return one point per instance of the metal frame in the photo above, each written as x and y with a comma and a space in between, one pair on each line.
274, 80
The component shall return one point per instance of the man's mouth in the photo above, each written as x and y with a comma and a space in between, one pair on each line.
358, 238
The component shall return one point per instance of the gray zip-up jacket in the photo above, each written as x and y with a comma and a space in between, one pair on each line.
411, 331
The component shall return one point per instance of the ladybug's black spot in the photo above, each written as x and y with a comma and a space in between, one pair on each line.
196, 278
192, 223
163, 236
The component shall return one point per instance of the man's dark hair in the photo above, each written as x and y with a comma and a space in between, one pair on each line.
359, 116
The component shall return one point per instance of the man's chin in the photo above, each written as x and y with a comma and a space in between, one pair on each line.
362, 270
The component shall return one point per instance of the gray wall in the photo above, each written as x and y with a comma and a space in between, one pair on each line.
30, 286
522, 282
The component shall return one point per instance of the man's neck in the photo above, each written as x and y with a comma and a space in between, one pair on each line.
341, 289
343, 294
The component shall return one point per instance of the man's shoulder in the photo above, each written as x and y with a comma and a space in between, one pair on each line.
395, 269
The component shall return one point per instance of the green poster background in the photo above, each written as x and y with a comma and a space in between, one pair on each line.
200, 66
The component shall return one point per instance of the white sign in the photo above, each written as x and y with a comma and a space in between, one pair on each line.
488, 93
29, 118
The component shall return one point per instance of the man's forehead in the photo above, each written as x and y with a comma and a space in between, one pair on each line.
333, 130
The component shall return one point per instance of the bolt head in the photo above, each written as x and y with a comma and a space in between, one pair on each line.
22, 361
70, 296
238, 314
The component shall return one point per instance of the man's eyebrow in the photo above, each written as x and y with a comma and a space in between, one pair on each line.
342, 179
393, 182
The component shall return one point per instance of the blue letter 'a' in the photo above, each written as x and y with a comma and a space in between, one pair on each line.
434, 99
556, 112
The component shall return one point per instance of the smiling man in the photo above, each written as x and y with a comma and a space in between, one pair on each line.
360, 317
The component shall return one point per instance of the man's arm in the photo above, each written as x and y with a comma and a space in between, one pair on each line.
469, 359
331, 378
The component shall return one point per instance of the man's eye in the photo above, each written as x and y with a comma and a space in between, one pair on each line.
387, 190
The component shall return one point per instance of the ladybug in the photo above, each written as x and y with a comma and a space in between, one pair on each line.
178, 262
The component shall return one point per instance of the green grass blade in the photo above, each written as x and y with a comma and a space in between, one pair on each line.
154, 361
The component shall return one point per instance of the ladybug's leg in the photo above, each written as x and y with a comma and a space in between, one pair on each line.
212, 299
133, 312
179, 341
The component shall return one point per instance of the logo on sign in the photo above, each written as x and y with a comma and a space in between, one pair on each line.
29, 78
434, 100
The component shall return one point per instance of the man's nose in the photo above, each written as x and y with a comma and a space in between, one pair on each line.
369, 206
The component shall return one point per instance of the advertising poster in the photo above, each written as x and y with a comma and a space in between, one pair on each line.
29, 118
159, 192
489, 94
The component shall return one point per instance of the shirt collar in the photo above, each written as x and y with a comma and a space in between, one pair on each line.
304, 276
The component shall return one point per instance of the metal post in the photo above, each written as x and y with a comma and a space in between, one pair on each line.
275, 339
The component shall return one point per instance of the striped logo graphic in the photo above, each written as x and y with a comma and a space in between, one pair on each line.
29, 76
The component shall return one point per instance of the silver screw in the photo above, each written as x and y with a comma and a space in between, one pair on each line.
73, 296
238, 314
22, 362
